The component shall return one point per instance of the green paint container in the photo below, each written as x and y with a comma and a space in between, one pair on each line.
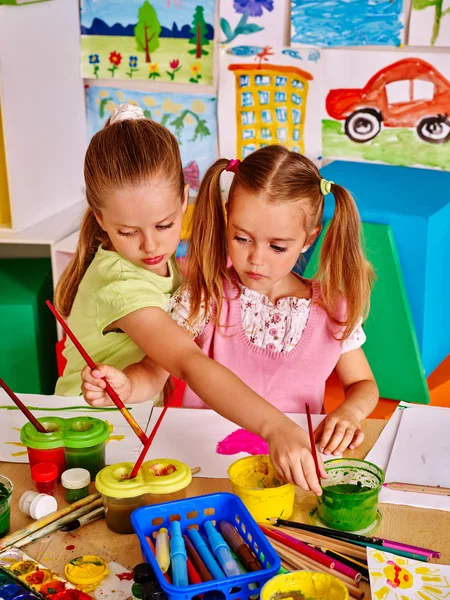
6, 489
350, 494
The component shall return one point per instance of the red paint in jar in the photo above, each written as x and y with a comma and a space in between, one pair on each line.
44, 476
50, 455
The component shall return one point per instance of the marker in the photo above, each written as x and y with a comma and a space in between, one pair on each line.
153, 549
242, 549
205, 554
221, 551
196, 560
163, 549
178, 556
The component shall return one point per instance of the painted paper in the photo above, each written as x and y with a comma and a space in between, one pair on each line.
154, 40
122, 444
387, 107
269, 96
254, 22
395, 578
344, 23
191, 118
202, 438
429, 23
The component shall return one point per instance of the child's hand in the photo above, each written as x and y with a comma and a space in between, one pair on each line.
340, 430
290, 453
93, 386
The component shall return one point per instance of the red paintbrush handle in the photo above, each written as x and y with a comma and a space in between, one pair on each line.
312, 441
23, 408
109, 390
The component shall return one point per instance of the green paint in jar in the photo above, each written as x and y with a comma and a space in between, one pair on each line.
6, 489
76, 484
350, 494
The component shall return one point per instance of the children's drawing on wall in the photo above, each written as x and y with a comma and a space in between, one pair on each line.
343, 23
156, 40
393, 577
386, 110
429, 23
191, 118
254, 22
269, 96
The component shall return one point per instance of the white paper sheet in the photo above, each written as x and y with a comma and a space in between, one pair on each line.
192, 435
123, 445
381, 455
270, 96
248, 22
426, 27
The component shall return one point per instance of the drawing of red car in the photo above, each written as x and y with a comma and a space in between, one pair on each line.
408, 93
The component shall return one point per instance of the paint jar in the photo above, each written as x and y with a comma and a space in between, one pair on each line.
260, 488
6, 490
86, 571
85, 443
37, 505
159, 480
142, 573
45, 447
76, 484
44, 476
153, 591
305, 584
350, 494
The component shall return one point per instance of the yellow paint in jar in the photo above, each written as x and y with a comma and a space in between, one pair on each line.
86, 571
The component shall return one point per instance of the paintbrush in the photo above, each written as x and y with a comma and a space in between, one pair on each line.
110, 391
23, 408
90, 517
312, 441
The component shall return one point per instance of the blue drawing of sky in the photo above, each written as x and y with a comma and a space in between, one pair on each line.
203, 151
125, 12
347, 22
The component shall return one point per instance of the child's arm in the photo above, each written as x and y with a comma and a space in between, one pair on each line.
341, 429
167, 344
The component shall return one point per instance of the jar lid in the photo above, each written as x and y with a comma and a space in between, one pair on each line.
75, 479
32, 438
143, 573
46, 471
83, 432
86, 570
42, 506
153, 591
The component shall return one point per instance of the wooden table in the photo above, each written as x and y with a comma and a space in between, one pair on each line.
427, 528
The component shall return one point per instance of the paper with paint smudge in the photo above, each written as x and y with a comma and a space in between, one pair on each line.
192, 436
393, 577
121, 445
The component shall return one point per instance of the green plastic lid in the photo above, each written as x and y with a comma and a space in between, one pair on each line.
78, 432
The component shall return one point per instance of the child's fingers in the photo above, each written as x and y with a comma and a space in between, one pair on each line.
93, 387
346, 440
328, 430
318, 432
309, 471
357, 439
336, 438
88, 377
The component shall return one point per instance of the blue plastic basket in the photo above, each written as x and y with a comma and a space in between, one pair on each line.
193, 512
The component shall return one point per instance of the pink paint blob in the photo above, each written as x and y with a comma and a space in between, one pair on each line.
242, 440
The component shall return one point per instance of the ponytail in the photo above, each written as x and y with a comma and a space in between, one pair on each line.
91, 236
343, 267
207, 267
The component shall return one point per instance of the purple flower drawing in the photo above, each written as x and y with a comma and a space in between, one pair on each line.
253, 8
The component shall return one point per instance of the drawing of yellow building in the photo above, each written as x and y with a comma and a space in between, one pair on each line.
270, 106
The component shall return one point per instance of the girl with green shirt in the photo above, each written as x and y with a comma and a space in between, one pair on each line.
114, 291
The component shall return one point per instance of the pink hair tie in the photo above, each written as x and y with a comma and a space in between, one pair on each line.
233, 165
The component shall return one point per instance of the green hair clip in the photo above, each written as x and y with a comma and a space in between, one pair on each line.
325, 186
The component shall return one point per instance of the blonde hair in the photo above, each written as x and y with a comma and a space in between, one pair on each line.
281, 176
124, 153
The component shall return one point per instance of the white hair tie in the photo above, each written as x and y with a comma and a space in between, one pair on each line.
125, 112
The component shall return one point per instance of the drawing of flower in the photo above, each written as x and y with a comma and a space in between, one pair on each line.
254, 8
195, 70
175, 66
115, 58
246, 8
153, 71
132, 63
94, 59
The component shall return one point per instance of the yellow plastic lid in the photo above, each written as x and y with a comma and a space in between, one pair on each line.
86, 570
158, 476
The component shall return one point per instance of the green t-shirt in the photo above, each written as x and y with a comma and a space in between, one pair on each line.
111, 288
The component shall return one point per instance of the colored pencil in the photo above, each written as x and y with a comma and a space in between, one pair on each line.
435, 490
362, 569
13, 538
151, 437
196, 560
194, 577
312, 441
109, 390
23, 408
344, 535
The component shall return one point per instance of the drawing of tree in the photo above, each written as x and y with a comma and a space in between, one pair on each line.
438, 14
199, 31
147, 30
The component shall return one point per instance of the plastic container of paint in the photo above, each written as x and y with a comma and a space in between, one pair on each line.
350, 494
45, 476
69, 443
260, 488
86, 570
6, 490
158, 481
37, 505
76, 484
305, 584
